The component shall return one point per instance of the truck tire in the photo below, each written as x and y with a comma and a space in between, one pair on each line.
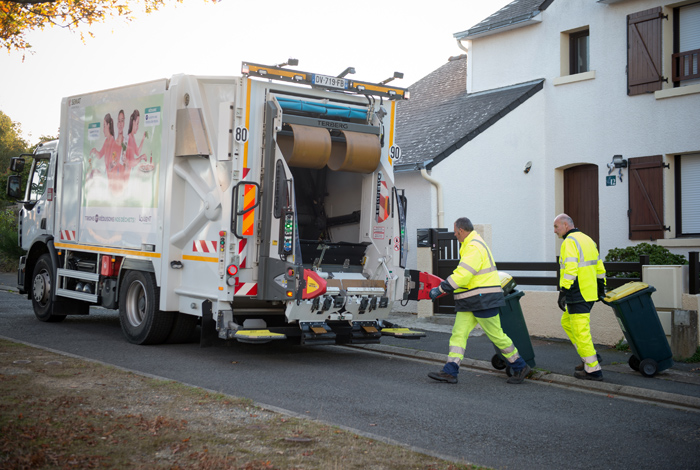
42, 280
141, 321
183, 329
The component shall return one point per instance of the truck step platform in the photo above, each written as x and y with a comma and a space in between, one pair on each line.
257, 336
405, 333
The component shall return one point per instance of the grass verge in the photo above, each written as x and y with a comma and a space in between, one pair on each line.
62, 412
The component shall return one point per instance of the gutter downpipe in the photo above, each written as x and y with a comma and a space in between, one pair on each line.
438, 188
461, 46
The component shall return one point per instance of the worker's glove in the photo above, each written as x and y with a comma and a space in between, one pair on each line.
435, 292
601, 289
562, 299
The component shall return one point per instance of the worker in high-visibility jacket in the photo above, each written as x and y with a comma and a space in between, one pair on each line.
477, 292
581, 284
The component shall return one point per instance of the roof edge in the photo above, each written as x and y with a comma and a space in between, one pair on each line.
506, 25
538, 85
500, 27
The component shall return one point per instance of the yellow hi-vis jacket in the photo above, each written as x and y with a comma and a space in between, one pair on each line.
475, 281
580, 267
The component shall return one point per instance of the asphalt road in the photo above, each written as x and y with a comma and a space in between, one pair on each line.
482, 420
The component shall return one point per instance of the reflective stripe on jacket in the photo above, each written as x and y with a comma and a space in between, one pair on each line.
580, 267
475, 281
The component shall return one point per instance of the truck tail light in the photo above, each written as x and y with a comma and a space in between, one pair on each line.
232, 270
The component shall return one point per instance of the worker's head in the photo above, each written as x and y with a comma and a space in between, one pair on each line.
463, 227
562, 224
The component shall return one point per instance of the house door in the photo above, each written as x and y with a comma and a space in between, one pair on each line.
581, 198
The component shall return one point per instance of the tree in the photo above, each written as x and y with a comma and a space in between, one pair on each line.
18, 17
11, 145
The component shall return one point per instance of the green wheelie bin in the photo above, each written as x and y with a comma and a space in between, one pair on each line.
513, 324
641, 326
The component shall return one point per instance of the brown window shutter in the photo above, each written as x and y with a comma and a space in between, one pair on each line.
644, 53
646, 198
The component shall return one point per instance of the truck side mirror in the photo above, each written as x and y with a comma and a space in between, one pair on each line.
17, 164
14, 186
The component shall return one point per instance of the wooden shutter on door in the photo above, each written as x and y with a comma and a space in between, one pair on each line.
646, 198
644, 53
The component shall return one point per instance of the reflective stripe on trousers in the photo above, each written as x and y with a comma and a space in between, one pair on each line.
465, 323
577, 327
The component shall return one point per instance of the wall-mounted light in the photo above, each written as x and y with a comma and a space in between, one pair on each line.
528, 166
619, 162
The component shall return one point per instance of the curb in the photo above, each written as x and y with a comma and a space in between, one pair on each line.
628, 391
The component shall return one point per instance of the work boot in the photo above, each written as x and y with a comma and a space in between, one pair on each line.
518, 377
597, 375
580, 366
443, 376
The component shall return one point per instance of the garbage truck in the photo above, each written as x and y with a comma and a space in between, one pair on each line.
258, 207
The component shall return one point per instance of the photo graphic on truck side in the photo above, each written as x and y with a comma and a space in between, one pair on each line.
121, 156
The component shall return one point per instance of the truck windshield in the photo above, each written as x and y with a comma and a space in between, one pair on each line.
40, 173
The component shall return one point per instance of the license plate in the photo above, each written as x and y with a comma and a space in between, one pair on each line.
332, 82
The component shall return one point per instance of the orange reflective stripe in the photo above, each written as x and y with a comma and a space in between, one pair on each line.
248, 196
248, 202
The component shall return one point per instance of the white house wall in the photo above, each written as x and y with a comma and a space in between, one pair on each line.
586, 121
422, 208
485, 181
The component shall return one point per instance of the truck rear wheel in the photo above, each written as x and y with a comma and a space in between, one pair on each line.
42, 280
141, 321
184, 326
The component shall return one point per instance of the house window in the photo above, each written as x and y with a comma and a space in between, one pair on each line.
686, 45
644, 52
578, 52
687, 195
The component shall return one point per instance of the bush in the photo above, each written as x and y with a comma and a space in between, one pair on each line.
657, 255
9, 241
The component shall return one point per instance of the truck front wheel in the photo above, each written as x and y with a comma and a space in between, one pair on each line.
42, 280
141, 320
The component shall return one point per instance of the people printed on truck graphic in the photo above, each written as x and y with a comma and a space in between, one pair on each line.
133, 151
122, 151
107, 146
111, 152
120, 134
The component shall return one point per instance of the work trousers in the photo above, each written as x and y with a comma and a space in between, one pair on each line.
577, 327
464, 324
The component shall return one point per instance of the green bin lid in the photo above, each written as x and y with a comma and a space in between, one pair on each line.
624, 291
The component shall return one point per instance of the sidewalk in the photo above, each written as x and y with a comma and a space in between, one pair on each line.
555, 360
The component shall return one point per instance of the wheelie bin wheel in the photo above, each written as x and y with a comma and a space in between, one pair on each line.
634, 362
497, 362
648, 367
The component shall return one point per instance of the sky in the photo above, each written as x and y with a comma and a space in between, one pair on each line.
376, 37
